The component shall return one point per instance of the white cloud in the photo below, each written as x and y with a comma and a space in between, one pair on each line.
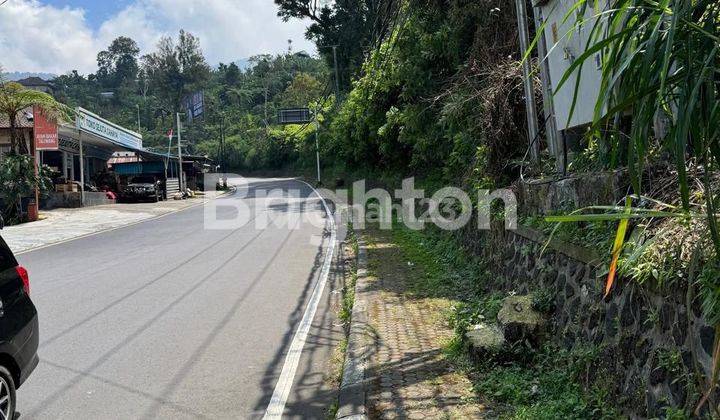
37, 37
133, 22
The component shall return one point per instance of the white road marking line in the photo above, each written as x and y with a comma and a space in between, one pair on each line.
282, 390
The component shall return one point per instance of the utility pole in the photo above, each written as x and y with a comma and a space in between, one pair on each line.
265, 120
529, 91
167, 160
317, 142
222, 141
180, 171
337, 71
551, 130
337, 76
138, 109
82, 170
222, 149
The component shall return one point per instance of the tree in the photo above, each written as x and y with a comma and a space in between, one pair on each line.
175, 70
118, 64
232, 75
352, 25
302, 90
14, 98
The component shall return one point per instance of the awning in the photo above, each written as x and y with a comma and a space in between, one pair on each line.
100, 128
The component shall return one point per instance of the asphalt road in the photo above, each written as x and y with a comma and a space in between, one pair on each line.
167, 319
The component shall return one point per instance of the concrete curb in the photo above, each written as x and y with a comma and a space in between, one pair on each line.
352, 397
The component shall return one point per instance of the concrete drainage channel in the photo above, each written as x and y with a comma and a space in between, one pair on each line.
352, 397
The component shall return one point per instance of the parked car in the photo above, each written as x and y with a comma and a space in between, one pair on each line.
143, 188
18, 330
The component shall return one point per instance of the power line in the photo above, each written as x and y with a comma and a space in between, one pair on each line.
326, 96
399, 25
335, 65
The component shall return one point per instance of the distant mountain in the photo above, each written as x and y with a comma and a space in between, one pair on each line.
19, 75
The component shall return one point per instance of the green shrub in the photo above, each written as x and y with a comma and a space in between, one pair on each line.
18, 180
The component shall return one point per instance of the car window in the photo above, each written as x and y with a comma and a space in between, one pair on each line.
7, 259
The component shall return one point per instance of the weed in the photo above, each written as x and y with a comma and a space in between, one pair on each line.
332, 411
345, 315
543, 300
676, 414
348, 293
547, 388
337, 362
596, 235
671, 361
653, 317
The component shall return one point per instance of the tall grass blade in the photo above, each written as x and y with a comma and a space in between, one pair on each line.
617, 247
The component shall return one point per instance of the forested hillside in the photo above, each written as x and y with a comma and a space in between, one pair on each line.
443, 95
242, 102
429, 87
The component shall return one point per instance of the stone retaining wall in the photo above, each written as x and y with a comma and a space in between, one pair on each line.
573, 192
657, 351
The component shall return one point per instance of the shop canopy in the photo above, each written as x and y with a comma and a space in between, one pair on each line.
93, 130
96, 131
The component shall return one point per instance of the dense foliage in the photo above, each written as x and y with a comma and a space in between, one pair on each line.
240, 103
352, 26
18, 179
660, 63
442, 96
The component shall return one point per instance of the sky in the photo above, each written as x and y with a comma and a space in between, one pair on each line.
58, 36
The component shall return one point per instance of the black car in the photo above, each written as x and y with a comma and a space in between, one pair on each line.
18, 330
143, 188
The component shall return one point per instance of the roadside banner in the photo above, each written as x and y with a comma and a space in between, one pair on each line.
45, 131
194, 105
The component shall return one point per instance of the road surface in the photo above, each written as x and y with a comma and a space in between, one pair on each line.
167, 319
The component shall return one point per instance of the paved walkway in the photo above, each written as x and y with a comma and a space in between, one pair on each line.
410, 377
60, 225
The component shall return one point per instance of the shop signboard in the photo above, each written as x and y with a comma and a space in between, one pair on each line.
45, 131
91, 123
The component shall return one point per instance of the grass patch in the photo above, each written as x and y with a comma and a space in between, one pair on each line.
332, 411
554, 384
348, 292
338, 361
594, 235
348, 300
443, 268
